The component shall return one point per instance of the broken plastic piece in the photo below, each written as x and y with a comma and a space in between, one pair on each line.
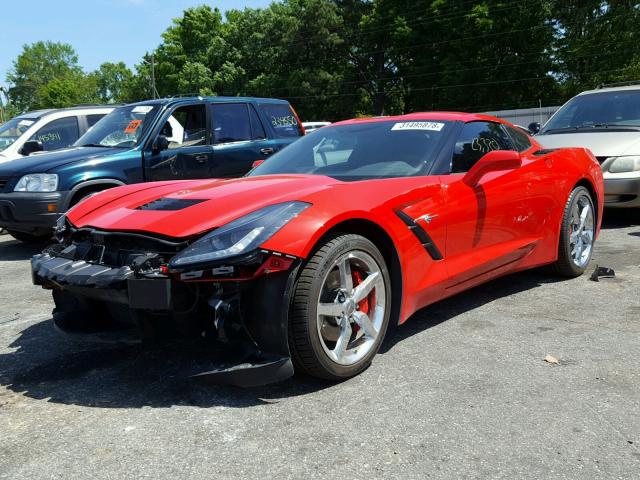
602, 272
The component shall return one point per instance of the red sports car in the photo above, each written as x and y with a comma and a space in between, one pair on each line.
305, 261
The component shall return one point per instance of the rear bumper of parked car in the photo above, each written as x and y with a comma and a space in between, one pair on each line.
34, 213
246, 319
622, 192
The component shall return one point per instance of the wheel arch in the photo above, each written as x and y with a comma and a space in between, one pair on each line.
90, 186
586, 183
383, 242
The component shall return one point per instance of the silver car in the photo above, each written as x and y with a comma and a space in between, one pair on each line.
607, 121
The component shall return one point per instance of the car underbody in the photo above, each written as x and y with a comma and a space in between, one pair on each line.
117, 287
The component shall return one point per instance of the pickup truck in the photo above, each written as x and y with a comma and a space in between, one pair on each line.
154, 140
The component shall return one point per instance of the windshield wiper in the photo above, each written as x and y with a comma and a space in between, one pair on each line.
595, 126
94, 145
621, 125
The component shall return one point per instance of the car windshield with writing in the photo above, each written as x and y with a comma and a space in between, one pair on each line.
361, 151
616, 109
122, 128
12, 130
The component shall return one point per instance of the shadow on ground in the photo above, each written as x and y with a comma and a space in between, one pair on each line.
44, 365
620, 217
13, 250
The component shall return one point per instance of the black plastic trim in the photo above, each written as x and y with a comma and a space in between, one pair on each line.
422, 235
544, 151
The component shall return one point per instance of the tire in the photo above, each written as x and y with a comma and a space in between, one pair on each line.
575, 247
28, 237
340, 343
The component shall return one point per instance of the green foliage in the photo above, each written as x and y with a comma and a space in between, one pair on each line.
71, 89
341, 58
35, 67
112, 81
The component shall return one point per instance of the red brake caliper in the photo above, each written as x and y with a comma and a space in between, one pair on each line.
365, 304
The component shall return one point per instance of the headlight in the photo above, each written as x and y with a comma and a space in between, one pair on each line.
239, 236
625, 164
37, 182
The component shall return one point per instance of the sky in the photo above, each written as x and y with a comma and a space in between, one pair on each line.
99, 30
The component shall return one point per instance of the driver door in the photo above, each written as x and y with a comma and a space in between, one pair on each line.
487, 222
189, 153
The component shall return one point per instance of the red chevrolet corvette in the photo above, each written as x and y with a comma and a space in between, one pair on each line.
304, 262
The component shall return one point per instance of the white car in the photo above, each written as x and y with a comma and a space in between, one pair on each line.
311, 126
46, 130
606, 121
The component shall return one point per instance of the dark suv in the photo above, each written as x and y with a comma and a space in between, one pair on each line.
166, 139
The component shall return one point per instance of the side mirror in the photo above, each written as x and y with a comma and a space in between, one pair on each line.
31, 146
534, 127
494, 161
160, 143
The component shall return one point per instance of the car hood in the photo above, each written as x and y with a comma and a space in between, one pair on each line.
190, 207
601, 143
47, 162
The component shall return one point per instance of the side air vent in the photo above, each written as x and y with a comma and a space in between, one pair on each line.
169, 204
544, 151
421, 234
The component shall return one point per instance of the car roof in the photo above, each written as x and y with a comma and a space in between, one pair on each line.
169, 100
611, 89
36, 114
426, 116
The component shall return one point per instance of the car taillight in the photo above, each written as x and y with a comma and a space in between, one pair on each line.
300, 126
257, 163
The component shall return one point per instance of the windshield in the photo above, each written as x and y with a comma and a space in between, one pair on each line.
607, 109
123, 127
12, 130
361, 151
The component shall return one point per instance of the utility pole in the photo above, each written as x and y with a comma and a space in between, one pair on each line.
154, 91
2, 90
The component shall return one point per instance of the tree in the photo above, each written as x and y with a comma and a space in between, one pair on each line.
71, 89
36, 66
597, 42
112, 81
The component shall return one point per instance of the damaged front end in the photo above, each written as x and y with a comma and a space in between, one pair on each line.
127, 287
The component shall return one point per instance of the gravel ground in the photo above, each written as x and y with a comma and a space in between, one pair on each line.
461, 391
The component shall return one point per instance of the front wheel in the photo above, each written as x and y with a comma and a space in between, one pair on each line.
340, 308
577, 234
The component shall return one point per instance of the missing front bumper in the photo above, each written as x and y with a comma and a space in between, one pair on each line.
99, 303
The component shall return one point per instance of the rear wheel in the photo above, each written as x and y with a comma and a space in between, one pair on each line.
577, 234
29, 237
340, 309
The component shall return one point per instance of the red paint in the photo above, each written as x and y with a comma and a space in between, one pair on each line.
504, 221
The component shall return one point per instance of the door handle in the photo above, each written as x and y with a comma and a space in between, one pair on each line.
201, 158
266, 151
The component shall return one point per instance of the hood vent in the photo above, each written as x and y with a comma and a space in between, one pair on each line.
169, 204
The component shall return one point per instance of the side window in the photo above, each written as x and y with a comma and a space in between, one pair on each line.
230, 122
476, 139
257, 130
520, 139
57, 134
186, 127
93, 119
282, 119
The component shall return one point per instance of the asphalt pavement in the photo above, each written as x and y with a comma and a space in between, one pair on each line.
460, 391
